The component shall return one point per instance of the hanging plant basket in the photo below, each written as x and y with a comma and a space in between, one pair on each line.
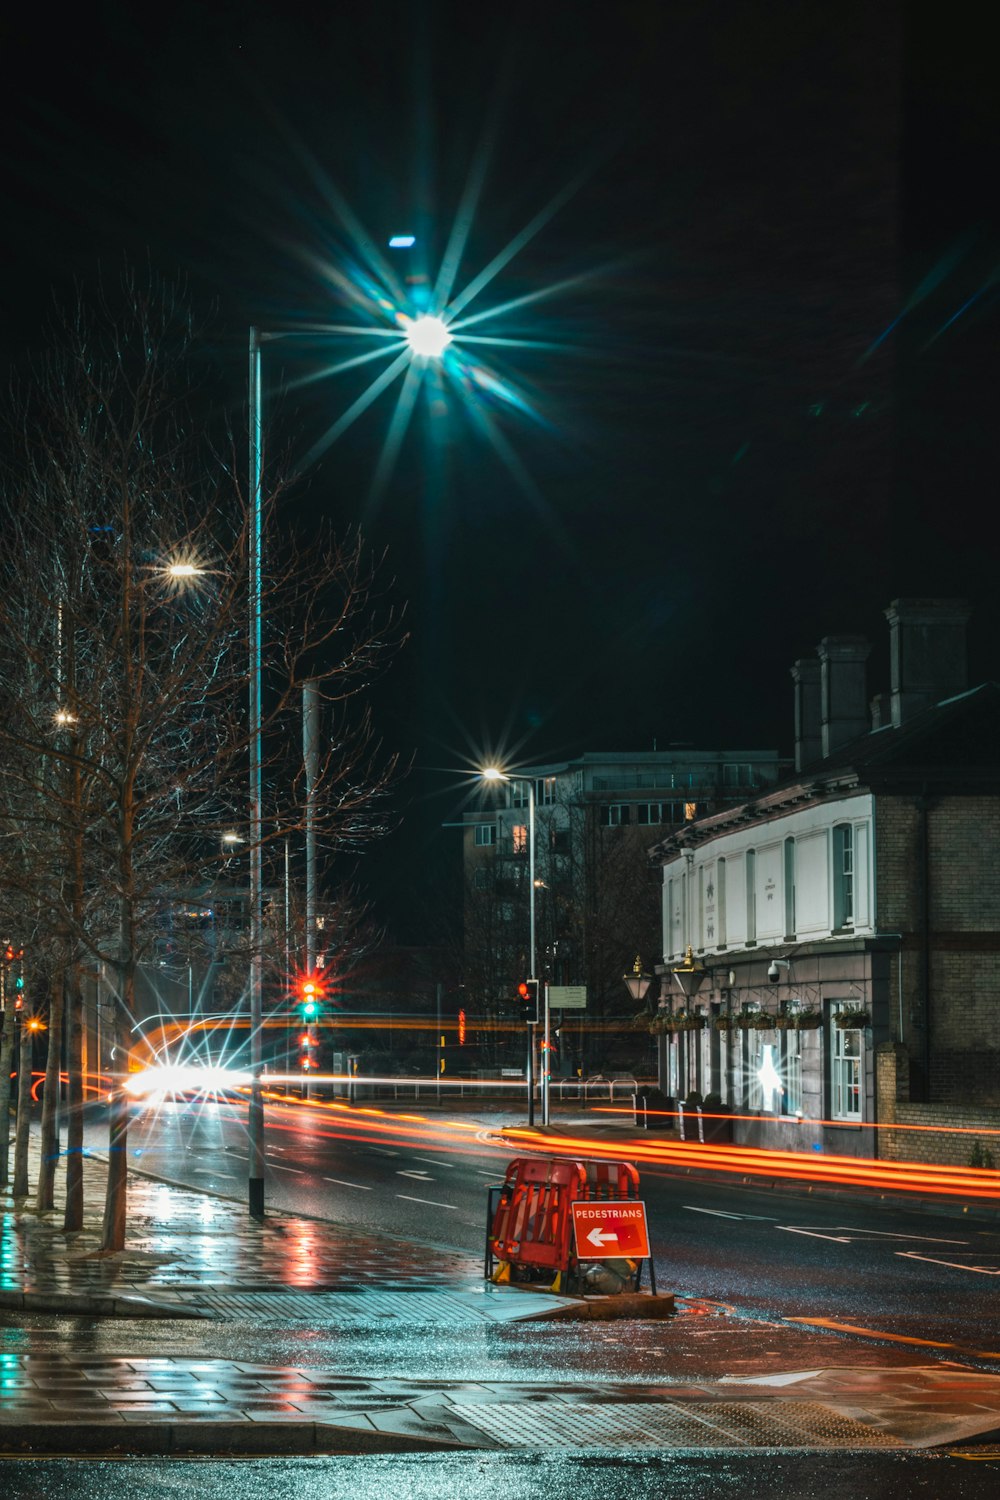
807, 1020
852, 1020
782, 1023
725, 1023
762, 1022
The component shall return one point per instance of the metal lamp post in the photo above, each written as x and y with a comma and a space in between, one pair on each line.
427, 337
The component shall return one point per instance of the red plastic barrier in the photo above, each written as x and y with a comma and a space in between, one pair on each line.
532, 1224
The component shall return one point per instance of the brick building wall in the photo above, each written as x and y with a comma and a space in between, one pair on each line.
948, 1014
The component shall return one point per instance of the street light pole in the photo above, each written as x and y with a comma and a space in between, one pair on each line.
255, 1122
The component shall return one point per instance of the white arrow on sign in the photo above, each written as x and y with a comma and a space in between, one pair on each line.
599, 1237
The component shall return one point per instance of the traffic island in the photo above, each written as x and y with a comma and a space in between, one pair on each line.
642, 1306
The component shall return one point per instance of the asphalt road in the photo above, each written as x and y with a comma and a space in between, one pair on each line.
515, 1476
900, 1273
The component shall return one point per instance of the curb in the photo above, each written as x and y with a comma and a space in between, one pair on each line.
99, 1307
256, 1439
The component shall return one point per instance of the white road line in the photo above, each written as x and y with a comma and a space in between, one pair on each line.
480, 1173
432, 1201
383, 1152
362, 1186
846, 1235
955, 1265
278, 1166
434, 1161
419, 1174
720, 1213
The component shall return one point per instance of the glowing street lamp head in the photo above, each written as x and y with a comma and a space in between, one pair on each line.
428, 337
493, 773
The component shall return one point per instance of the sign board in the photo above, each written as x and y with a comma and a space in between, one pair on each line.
603, 1230
567, 996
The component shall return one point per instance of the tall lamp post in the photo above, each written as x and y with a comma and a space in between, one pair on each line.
493, 773
428, 338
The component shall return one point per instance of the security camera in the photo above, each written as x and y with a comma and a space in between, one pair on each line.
773, 972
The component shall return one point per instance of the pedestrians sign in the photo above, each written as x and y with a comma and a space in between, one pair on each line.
607, 1229
568, 996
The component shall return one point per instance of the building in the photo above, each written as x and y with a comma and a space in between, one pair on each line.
843, 928
596, 900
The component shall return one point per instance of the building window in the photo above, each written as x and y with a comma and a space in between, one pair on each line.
519, 834
545, 791
652, 812
486, 833
560, 840
843, 875
791, 1071
518, 793
846, 1045
614, 814
481, 880
690, 811
751, 869
789, 888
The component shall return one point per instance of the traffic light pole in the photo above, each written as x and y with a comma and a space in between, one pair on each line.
531, 923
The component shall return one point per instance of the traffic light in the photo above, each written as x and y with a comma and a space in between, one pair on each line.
527, 999
309, 992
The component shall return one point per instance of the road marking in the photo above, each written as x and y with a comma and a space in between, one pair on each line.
872, 1333
432, 1201
720, 1213
956, 1265
847, 1235
841, 1239
364, 1186
419, 1174
280, 1167
434, 1161
480, 1173
383, 1152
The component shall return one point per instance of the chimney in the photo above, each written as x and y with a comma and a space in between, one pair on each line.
880, 711
926, 653
805, 675
843, 701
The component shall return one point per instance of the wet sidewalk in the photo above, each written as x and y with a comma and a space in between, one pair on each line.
233, 1282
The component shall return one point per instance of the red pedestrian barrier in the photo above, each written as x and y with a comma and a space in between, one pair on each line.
530, 1236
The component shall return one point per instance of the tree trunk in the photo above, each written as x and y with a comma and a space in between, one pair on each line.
6, 1059
23, 1112
49, 1140
116, 1200
73, 1217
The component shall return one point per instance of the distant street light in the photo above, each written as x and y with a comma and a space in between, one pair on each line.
428, 336
637, 982
180, 570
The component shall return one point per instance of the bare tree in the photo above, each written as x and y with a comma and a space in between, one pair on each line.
122, 636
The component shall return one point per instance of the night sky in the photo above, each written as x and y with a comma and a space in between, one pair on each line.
754, 405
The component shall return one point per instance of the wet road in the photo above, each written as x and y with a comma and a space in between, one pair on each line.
928, 1279
486, 1476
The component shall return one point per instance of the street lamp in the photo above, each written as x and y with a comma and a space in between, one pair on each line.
637, 982
493, 773
429, 343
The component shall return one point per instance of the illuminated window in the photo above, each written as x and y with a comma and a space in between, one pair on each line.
846, 1054
690, 811
486, 833
791, 1071
519, 834
843, 875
